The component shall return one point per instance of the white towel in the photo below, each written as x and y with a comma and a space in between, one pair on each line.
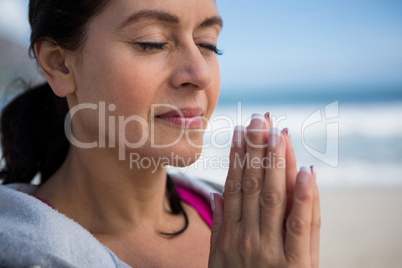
32, 233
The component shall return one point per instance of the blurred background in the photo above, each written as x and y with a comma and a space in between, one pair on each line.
330, 71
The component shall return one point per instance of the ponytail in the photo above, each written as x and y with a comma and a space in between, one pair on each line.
32, 135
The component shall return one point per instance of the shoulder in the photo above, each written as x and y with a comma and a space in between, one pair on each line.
32, 233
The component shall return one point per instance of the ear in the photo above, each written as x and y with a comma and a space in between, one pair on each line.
52, 60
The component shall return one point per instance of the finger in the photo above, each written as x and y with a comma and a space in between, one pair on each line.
267, 117
315, 224
217, 204
291, 172
297, 244
256, 138
273, 196
234, 180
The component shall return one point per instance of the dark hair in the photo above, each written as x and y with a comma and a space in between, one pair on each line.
32, 125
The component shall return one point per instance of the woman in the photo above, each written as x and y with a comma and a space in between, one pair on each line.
137, 82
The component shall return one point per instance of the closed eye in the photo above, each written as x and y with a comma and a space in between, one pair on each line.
151, 46
212, 48
147, 46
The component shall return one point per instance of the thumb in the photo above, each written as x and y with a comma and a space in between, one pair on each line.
217, 207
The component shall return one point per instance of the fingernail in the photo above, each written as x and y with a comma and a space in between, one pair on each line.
303, 176
212, 201
238, 135
274, 137
257, 122
267, 121
313, 172
286, 131
267, 116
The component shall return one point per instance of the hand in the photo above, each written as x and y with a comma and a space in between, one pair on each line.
262, 191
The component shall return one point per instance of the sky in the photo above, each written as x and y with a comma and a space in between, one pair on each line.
311, 42
291, 43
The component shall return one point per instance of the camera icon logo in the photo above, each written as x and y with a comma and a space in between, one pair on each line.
328, 118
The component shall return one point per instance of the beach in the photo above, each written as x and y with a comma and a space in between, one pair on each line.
361, 228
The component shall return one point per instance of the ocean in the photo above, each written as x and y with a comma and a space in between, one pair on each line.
353, 140
350, 143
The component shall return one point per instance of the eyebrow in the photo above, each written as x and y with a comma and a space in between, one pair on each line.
212, 21
166, 17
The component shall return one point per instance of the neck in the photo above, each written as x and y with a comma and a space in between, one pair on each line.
108, 197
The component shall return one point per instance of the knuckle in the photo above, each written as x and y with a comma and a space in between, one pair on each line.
251, 184
245, 245
316, 223
255, 140
233, 186
297, 226
271, 199
304, 196
255, 145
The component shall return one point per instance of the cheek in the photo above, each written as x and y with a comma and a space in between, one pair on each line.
117, 78
119, 82
213, 91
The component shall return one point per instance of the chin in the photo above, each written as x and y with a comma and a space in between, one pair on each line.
186, 159
179, 155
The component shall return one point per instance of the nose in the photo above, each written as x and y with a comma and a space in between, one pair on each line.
191, 70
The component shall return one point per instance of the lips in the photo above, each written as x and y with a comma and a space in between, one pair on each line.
183, 117
184, 112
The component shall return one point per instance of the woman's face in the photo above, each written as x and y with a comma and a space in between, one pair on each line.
144, 58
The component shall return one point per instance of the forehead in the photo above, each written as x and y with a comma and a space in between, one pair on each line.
189, 12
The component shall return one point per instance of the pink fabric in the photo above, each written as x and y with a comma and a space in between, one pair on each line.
200, 205
40, 199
